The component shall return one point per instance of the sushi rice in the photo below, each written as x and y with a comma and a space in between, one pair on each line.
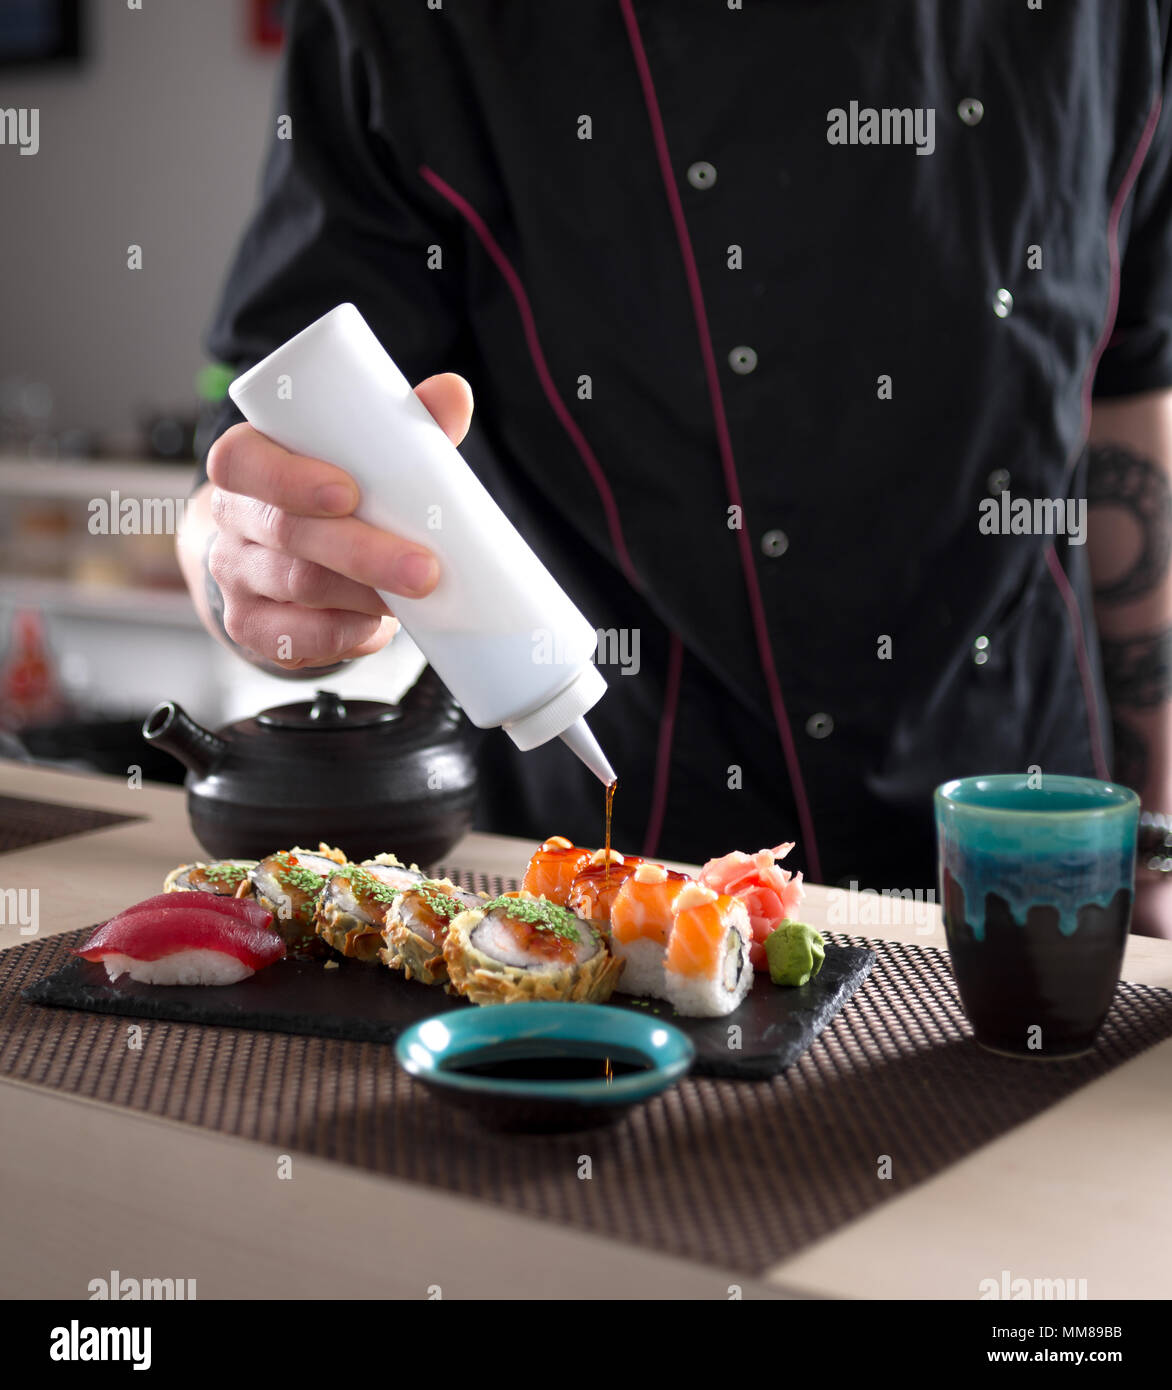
180, 968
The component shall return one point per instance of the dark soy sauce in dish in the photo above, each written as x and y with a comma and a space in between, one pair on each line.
499, 1065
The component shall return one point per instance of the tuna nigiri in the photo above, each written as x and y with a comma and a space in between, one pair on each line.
553, 869
177, 943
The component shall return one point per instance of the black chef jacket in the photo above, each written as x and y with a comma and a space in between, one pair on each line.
681, 306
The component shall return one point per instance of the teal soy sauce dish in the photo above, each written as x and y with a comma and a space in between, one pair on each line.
1036, 881
544, 1068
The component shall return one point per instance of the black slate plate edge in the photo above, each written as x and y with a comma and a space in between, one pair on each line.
83, 986
852, 963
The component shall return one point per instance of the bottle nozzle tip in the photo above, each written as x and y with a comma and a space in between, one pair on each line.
586, 746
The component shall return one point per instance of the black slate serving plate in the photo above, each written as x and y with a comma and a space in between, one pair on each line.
369, 1003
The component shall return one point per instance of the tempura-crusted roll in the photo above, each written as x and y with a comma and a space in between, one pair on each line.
596, 884
352, 909
416, 927
553, 869
289, 884
228, 878
524, 948
707, 970
640, 923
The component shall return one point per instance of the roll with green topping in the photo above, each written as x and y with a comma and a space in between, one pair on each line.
417, 925
520, 948
223, 877
289, 883
353, 907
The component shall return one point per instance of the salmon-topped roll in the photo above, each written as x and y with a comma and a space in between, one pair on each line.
640, 924
707, 970
553, 869
596, 885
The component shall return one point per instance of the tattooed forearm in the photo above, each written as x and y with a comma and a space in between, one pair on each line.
1116, 477
1137, 671
215, 601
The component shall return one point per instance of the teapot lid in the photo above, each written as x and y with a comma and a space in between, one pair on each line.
328, 711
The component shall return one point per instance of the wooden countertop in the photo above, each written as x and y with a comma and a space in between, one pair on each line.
1080, 1191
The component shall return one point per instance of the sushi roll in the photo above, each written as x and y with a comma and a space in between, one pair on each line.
553, 869
417, 926
597, 883
353, 906
515, 948
640, 925
707, 971
228, 877
289, 884
174, 941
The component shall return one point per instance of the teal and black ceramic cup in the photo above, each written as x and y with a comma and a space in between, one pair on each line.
1037, 875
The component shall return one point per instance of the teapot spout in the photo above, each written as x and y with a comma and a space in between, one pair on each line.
172, 729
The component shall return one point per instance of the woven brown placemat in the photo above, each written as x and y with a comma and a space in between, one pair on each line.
25, 822
739, 1174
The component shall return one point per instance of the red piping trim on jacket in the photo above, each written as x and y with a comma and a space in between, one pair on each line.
732, 484
594, 468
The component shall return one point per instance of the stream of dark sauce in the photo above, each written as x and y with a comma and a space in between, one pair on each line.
606, 847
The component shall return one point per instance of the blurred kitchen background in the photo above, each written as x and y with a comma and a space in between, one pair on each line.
152, 128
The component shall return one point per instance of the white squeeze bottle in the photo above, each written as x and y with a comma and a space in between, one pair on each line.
498, 630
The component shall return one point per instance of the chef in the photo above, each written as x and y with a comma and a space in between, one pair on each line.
744, 312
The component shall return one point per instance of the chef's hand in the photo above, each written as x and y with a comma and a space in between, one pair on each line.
278, 566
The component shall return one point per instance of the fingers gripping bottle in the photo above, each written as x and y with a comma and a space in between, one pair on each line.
499, 631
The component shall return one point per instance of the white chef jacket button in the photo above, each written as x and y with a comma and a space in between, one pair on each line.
1003, 304
820, 725
774, 543
998, 482
701, 174
742, 360
980, 651
970, 110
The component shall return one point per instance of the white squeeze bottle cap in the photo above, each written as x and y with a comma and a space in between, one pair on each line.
498, 629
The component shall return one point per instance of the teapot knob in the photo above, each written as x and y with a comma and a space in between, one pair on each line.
327, 708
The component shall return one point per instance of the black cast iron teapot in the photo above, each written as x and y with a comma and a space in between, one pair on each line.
365, 776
